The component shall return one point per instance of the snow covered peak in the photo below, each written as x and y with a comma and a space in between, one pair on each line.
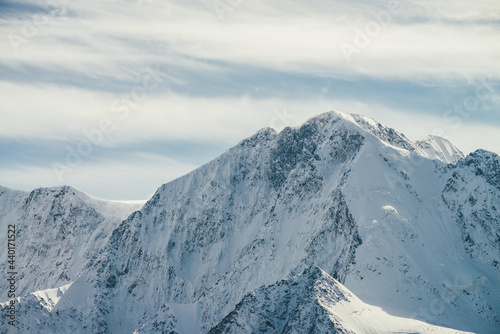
431, 147
482, 164
118, 209
314, 302
365, 126
486, 164
262, 136
434, 147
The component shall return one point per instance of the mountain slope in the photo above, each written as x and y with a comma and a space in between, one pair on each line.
412, 247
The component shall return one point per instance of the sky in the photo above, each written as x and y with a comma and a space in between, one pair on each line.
116, 98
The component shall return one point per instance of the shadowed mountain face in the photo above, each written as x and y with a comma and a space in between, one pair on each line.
411, 228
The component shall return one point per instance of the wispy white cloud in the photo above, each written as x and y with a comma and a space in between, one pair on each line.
291, 36
229, 71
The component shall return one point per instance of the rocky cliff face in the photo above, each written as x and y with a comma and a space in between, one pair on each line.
343, 193
471, 194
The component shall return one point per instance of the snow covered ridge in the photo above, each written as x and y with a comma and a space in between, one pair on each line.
330, 226
314, 302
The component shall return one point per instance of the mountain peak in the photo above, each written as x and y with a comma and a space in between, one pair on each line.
435, 147
485, 164
314, 302
431, 147
366, 126
313, 273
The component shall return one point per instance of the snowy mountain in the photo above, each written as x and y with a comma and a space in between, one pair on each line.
58, 231
411, 229
313, 302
